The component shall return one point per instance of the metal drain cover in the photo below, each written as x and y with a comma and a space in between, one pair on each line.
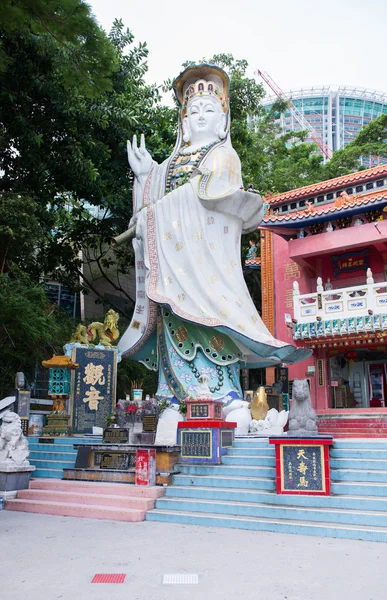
109, 578
188, 578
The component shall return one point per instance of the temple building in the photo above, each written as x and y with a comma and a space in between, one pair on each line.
324, 286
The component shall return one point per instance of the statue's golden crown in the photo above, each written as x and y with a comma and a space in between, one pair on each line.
202, 80
203, 88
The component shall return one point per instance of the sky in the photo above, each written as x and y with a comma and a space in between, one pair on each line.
301, 43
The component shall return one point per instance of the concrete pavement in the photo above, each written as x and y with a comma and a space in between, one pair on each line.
46, 557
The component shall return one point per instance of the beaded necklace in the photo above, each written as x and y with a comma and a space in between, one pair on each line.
189, 160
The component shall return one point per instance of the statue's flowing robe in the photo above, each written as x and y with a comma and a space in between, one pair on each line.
188, 263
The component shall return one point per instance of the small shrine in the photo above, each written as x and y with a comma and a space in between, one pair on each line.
204, 437
59, 383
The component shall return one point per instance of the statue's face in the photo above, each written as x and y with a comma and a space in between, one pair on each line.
204, 114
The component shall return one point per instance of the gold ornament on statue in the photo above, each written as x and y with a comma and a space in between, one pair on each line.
259, 405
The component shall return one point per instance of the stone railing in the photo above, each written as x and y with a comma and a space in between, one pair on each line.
356, 309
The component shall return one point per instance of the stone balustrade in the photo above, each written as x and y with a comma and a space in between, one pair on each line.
355, 309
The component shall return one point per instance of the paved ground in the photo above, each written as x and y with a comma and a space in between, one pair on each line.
47, 558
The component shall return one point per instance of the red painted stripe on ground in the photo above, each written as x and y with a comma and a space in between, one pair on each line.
109, 578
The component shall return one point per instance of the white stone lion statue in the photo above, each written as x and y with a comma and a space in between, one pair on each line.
13, 444
302, 417
238, 411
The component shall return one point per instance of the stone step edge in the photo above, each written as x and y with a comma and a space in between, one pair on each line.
374, 461
202, 501
317, 524
48, 460
217, 476
64, 454
268, 493
362, 450
376, 484
356, 471
365, 440
201, 466
38, 468
93, 486
65, 494
27, 501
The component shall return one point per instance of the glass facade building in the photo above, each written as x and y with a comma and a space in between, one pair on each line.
336, 114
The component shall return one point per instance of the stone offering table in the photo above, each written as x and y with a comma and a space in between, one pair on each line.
117, 462
302, 465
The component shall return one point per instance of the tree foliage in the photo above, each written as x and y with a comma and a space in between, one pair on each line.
31, 329
87, 56
370, 144
66, 152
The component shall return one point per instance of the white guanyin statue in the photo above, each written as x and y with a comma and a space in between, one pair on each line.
194, 314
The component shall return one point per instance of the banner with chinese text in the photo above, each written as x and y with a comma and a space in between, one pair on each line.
351, 261
93, 388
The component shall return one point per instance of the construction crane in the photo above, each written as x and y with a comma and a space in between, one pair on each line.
297, 114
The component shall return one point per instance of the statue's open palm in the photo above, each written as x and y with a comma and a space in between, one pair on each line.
140, 160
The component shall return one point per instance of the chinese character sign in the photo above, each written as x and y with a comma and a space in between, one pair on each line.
93, 388
351, 261
303, 468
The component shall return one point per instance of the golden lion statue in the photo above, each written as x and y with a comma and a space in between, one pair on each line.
105, 333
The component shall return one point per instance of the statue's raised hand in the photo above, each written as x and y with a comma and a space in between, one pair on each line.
140, 160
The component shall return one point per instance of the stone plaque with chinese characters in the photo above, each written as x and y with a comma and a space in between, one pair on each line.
303, 468
93, 387
149, 423
23, 403
199, 411
196, 444
114, 460
116, 435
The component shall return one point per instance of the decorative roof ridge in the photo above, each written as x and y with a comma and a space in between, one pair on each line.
344, 201
327, 185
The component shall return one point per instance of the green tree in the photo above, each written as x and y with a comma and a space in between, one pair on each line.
370, 143
31, 329
66, 152
87, 56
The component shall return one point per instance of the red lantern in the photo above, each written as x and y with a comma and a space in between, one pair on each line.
351, 355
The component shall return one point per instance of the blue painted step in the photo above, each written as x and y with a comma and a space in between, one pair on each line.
252, 461
264, 496
51, 458
254, 483
253, 443
270, 452
355, 444
353, 488
240, 493
359, 475
364, 454
48, 473
358, 532
236, 470
359, 463
246, 509
41, 455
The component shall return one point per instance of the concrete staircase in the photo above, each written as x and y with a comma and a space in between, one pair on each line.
354, 423
240, 494
55, 454
109, 501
